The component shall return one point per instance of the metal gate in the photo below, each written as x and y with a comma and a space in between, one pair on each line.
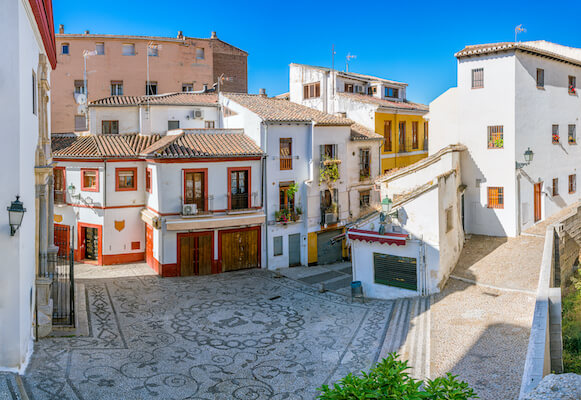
63, 282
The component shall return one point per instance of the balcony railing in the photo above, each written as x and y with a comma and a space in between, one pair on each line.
239, 201
286, 162
60, 196
287, 215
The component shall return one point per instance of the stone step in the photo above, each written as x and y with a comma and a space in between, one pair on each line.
417, 346
398, 328
10, 388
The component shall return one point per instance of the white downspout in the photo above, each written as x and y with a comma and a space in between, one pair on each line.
265, 198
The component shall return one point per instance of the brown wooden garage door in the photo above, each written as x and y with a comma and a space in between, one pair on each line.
240, 249
195, 252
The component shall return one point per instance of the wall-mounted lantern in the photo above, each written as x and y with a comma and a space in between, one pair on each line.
72, 190
386, 214
15, 215
528, 158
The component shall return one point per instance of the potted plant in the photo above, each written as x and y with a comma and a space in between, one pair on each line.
555, 138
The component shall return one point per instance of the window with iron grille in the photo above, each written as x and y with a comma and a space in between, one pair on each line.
555, 187
148, 180
387, 136
286, 153
402, 148
80, 87
572, 84
150, 88
495, 137
572, 134
312, 90
572, 183
116, 88
425, 135
555, 134
364, 161
540, 77
364, 198
477, 78
495, 197
60, 187
109, 127
415, 142
328, 152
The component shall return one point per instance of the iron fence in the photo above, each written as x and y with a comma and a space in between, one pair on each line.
62, 275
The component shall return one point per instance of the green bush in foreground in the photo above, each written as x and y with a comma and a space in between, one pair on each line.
572, 326
388, 380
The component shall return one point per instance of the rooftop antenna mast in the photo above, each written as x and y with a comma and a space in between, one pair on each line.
347, 59
518, 30
333, 76
151, 48
85, 103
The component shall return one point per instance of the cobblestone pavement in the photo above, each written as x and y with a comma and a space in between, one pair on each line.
9, 387
335, 277
240, 335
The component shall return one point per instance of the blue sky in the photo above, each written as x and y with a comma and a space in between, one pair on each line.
408, 41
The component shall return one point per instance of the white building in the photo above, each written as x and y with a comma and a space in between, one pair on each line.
296, 139
415, 249
29, 55
154, 114
512, 97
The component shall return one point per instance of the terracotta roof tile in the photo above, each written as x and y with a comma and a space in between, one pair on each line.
360, 132
400, 105
100, 146
280, 110
178, 98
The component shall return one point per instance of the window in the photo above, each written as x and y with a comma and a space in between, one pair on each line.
364, 172
555, 134
372, 90
187, 87
572, 134
195, 186
328, 152
200, 53
285, 202
495, 137
148, 180
173, 125
277, 245
152, 50
415, 142
572, 183
33, 92
391, 92
125, 179
495, 197
572, 84
312, 90
89, 180
65, 48
477, 78
128, 49
116, 88
449, 219
60, 185
426, 127
109, 127
80, 87
150, 88
239, 194
349, 88
286, 153
80, 123
387, 146
540, 78
100, 48
364, 199
555, 187
209, 124
402, 137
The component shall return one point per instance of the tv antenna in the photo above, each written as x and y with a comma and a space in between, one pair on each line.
518, 30
347, 59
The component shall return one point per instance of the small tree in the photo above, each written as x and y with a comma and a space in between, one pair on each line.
329, 174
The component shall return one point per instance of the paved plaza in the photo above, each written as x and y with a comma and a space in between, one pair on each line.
240, 335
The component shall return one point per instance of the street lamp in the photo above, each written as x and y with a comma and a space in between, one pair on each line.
15, 215
528, 158
386, 213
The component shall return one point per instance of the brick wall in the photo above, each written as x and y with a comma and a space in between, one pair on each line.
232, 62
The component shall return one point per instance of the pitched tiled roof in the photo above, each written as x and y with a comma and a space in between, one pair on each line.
101, 146
178, 98
355, 75
280, 110
193, 143
399, 105
360, 132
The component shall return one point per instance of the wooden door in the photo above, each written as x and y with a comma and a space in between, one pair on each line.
195, 190
195, 253
240, 249
538, 187
62, 239
149, 245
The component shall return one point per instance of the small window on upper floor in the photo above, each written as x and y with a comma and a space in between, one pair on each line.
555, 187
311, 90
173, 125
80, 87
200, 53
495, 137
540, 78
555, 134
148, 180
187, 87
209, 124
572, 84
477, 78
572, 137
128, 49
392, 92
348, 88
152, 50
116, 88
109, 127
364, 198
495, 197
150, 88
100, 48
65, 48
364, 164
572, 183
372, 90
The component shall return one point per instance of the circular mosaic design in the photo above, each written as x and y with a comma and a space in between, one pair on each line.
226, 324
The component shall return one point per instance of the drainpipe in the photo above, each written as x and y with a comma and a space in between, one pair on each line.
105, 184
518, 218
264, 183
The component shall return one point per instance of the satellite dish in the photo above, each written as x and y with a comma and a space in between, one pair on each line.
81, 98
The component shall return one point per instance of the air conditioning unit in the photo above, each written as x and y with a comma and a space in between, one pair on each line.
198, 114
189, 209
330, 218
358, 89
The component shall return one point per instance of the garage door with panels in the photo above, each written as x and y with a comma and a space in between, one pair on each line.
195, 253
239, 248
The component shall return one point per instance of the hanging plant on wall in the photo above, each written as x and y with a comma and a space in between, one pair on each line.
291, 191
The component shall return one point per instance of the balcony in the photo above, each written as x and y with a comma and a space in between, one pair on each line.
60, 197
288, 215
286, 162
239, 201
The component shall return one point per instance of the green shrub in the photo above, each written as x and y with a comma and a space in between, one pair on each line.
389, 380
572, 327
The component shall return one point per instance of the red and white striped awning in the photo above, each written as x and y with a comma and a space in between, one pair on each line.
398, 239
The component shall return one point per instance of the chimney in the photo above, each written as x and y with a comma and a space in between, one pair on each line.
180, 34
87, 32
61, 29
213, 35
262, 92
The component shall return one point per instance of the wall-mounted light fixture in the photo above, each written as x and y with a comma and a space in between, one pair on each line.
386, 214
72, 191
15, 215
528, 158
